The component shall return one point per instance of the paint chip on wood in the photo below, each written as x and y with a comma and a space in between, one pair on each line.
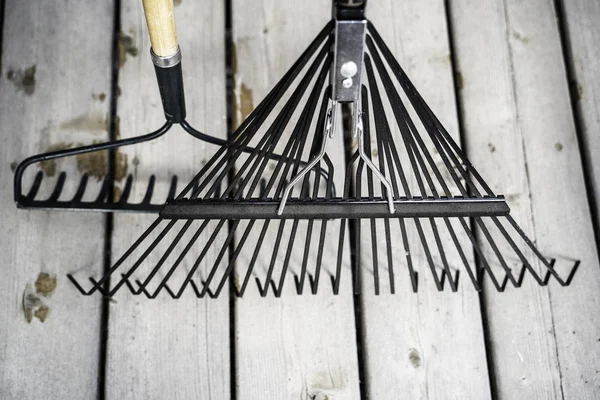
45, 284
415, 358
126, 47
24, 80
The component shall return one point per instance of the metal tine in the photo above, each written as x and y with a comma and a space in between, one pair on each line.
222, 252
357, 266
172, 188
300, 133
206, 290
401, 114
301, 129
549, 265
453, 281
276, 130
411, 91
406, 137
263, 290
406, 126
414, 276
462, 254
35, 187
140, 260
314, 149
439, 281
149, 190
371, 196
381, 131
295, 145
80, 189
201, 256
179, 259
103, 193
233, 259
166, 254
496, 251
58, 188
430, 128
112, 269
335, 281
250, 125
482, 260
196, 190
314, 282
526, 265
257, 249
126, 190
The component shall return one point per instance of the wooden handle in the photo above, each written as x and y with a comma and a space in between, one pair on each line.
161, 26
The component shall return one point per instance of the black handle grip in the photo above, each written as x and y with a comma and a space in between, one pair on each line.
350, 9
170, 85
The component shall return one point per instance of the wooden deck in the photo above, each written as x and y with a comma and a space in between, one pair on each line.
516, 82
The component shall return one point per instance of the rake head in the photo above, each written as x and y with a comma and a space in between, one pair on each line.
270, 205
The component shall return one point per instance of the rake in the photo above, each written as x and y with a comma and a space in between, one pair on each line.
269, 204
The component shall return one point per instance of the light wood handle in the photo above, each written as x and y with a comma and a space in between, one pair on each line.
161, 26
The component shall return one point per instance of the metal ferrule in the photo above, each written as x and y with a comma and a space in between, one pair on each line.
166, 62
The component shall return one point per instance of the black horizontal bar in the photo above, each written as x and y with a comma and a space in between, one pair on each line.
88, 206
334, 208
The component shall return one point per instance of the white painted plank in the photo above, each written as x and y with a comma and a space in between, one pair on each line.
583, 39
293, 346
544, 341
429, 344
55, 62
165, 348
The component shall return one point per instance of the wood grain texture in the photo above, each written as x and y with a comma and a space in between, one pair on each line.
294, 346
160, 18
544, 341
429, 344
583, 42
165, 348
44, 86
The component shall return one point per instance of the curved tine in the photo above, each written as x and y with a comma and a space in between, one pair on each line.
314, 283
149, 190
141, 290
173, 188
565, 282
233, 258
35, 186
335, 280
79, 287
80, 189
170, 292
103, 194
520, 254
82, 150
222, 252
195, 289
206, 289
481, 257
99, 287
462, 255
126, 190
58, 188
129, 286
142, 258
257, 249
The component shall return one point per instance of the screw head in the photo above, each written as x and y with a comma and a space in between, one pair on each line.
349, 69
347, 83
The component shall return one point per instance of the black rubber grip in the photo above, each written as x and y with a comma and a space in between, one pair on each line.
170, 85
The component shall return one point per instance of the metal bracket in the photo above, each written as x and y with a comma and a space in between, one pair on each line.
348, 56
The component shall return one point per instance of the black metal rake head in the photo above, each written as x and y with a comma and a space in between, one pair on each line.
269, 204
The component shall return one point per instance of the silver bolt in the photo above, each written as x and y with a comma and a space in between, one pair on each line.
347, 83
349, 69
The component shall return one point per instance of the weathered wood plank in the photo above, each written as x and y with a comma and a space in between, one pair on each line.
520, 135
429, 344
583, 42
293, 346
165, 348
55, 62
